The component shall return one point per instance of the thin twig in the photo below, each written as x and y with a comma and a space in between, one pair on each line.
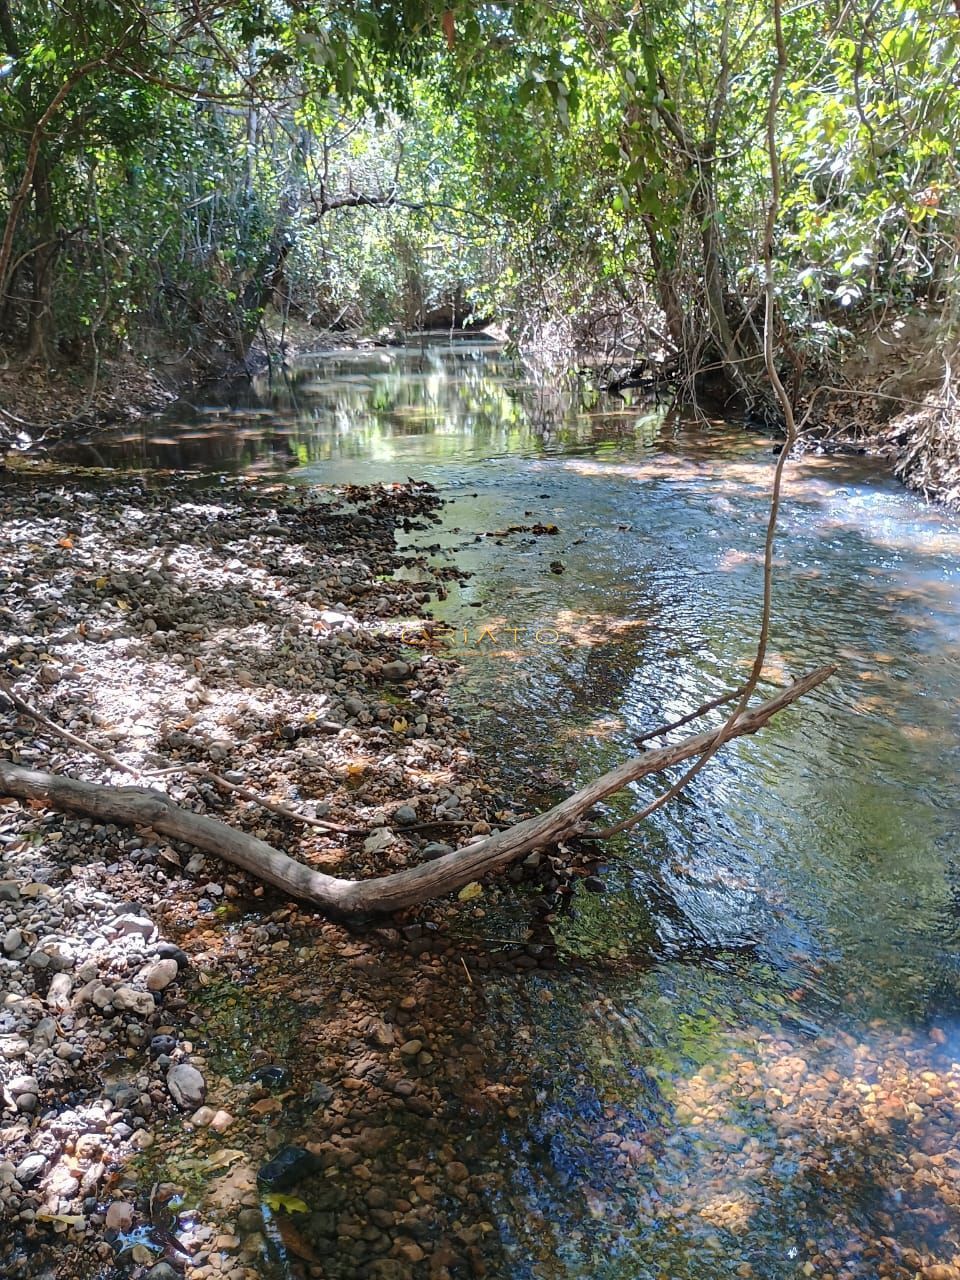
193, 770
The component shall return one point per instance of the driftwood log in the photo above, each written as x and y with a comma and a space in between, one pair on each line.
143, 807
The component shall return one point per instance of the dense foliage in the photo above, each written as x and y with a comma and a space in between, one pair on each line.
590, 173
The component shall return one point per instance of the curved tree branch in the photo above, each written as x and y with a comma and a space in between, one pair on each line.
140, 806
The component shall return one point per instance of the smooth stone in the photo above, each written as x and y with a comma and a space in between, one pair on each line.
129, 924
160, 1045
396, 670
30, 1168
119, 1216
221, 1122
272, 1076
288, 1167
435, 849
186, 1085
58, 994
9, 891
12, 941
161, 974
163, 1271
23, 1084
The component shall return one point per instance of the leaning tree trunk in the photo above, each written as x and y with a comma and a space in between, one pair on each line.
139, 806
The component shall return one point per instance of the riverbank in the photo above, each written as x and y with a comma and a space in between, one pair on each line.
255, 632
40, 405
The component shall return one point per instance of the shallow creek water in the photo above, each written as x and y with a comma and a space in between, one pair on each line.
748, 1068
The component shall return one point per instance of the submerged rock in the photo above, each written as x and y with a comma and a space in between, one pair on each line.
272, 1076
288, 1167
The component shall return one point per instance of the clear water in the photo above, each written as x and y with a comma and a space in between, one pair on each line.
778, 955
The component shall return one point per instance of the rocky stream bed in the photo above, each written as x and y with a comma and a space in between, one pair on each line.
202, 1079
256, 633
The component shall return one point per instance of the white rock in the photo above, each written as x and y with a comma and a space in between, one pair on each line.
58, 993
131, 924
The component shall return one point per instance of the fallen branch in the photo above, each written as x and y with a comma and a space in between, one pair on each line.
140, 806
192, 770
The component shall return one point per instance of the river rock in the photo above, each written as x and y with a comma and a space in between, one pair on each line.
130, 1000
381, 839
45, 1032
129, 924
119, 1216
58, 993
12, 941
162, 1271
272, 1076
288, 1167
23, 1084
187, 1086
396, 670
435, 849
9, 891
405, 815
30, 1168
161, 974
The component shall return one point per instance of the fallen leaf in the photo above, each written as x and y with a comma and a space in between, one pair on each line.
65, 542
278, 1202
225, 1156
471, 890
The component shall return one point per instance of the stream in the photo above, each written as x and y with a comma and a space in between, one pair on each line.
749, 1062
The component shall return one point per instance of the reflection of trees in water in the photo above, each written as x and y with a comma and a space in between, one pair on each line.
346, 407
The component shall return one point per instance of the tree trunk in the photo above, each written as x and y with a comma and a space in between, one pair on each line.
139, 806
666, 286
40, 318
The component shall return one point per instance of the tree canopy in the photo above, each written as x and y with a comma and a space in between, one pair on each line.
590, 173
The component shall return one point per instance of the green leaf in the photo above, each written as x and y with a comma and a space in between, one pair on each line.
279, 1202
